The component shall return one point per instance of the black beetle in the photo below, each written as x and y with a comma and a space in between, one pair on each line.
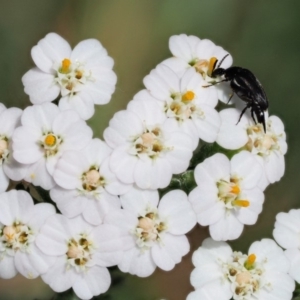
245, 85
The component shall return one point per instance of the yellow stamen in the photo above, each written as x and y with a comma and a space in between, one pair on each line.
65, 64
211, 65
188, 96
50, 140
249, 263
241, 203
235, 189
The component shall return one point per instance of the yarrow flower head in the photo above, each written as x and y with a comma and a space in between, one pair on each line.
83, 253
227, 196
145, 151
187, 105
260, 274
20, 222
153, 234
82, 77
269, 147
9, 167
85, 183
287, 234
45, 134
203, 56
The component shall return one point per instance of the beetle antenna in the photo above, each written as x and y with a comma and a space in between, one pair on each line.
221, 61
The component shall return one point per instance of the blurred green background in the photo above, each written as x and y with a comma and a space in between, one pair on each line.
263, 36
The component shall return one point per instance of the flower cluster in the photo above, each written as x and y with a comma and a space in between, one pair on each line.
112, 201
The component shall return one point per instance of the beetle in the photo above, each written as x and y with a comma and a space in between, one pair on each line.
245, 85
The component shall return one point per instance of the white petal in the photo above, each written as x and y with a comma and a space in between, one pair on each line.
124, 124
227, 228
208, 127
188, 127
58, 277
92, 52
113, 185
69, 170
16, 205
40, 117
54, 235
287, 227
208, 208
274, 164
69, 202
26, 150
33, 264
40, 86
181, 153
232, 135
177, 65
174, 207
137, 263
96, 209
183, 46
81, 103
246, 167
123, 164
109, 245
96, 151
42, 211
210, 252
10, 119
293, 256
211, 292
267, 249
136, 200
162, 82
76, 134
4, 180
148, 110
38, 174
52, 48
152, 173
96, 281
7, 267
212, 170
248, 215
13, 169
168, 254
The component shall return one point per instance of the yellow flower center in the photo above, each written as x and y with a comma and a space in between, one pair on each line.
188, 96
50, 140
249, 263
65, 66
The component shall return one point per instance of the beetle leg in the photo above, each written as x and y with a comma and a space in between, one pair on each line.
230, 97
243, 111
252, 115
214, 83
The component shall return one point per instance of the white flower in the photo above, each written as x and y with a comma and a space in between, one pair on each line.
45, 134
82, 76
227, 196
9, 167
262, 274
287, 235
83, 253
20, 222
145, 152
191, 52
269, 147
153, 234
185, 102
85, 183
